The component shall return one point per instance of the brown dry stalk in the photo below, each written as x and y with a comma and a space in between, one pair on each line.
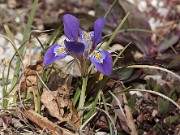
155, 67
129, 116
159, 94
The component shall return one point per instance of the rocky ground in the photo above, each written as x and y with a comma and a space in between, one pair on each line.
162, 17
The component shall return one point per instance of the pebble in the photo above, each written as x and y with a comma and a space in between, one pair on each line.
17, 43
3, 6
61, 40
11, 12
5, 71
26, 61
9, 51
1, 71
19, 36
11, 3
91, 12
50, 1
1, 52
116, 47
3, 41
17, 20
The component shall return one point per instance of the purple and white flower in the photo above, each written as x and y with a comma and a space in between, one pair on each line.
81, 45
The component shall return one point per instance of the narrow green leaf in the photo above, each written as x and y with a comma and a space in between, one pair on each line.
4, 92
100, 86
172, 119
12, 41
9, 33
120, 53
116, 31
92, 109
110, 8
132, 101
163, 105
23, 43
76, 96
106, 109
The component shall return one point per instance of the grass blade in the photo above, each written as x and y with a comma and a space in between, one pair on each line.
24, 41
76, 96
110, 8
116, 31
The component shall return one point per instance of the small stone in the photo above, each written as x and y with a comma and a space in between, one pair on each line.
1, 52
3, 41
19, 36
43, 38
142, 6
25, 61
101, 133
61, 40
9, 51
154, 113
11, 12
5, 71
116, 47
91, 12
50, 1
17, 43
37, 50
3, 6
12, 3
40, 27
154, 3
1, 70
17, 20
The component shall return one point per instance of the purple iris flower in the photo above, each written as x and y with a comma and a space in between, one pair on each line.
81, 45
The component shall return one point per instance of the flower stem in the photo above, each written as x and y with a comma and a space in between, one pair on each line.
83, 96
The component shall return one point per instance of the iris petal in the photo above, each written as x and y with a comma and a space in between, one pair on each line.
98, 28
71, 27
97, 56
102, 61
54, 52
75, 48
86, 38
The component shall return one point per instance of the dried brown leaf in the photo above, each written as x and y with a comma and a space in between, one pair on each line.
43, 122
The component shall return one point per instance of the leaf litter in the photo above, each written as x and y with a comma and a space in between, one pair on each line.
151, 114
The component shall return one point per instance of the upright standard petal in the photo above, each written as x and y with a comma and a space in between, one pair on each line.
102, 61
98, 28
75, 48
71, 27
86, 38
54, 52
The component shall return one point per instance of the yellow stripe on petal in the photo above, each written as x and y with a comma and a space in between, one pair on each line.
87, 35
97, 55
60, 50
86, 38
